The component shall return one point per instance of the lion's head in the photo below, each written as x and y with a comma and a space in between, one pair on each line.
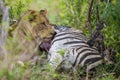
34, 24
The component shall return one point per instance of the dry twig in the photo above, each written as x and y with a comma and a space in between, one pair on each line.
89, 17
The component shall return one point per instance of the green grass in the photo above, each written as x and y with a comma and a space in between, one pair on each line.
10, 69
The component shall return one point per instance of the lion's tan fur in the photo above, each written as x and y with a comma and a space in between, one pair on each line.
32, 27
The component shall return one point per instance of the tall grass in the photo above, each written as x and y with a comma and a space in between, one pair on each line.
22, 55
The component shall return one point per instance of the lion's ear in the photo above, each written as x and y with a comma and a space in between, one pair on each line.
43, 12
31, 11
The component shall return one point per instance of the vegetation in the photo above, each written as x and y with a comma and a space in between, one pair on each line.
73, 13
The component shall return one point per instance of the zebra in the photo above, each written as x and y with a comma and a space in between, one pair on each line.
76, 50
64, 39
83, 56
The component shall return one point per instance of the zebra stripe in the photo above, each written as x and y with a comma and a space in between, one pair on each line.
71, 36
77, 51
83, 56
64, 40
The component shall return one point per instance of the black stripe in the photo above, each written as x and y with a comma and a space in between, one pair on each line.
95, 48
87, 54
92, 60
81, 47
65, 33
74, 42
64, 38
81, 53
88, 48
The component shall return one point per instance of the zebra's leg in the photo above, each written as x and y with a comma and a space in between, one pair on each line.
93, 65
54, 60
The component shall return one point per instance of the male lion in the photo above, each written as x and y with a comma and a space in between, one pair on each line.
31, 28
33, 24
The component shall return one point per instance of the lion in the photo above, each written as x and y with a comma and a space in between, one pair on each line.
31, 28
33, 24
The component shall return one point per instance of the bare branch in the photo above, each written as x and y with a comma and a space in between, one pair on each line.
96, 38
97, 14
89, 17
